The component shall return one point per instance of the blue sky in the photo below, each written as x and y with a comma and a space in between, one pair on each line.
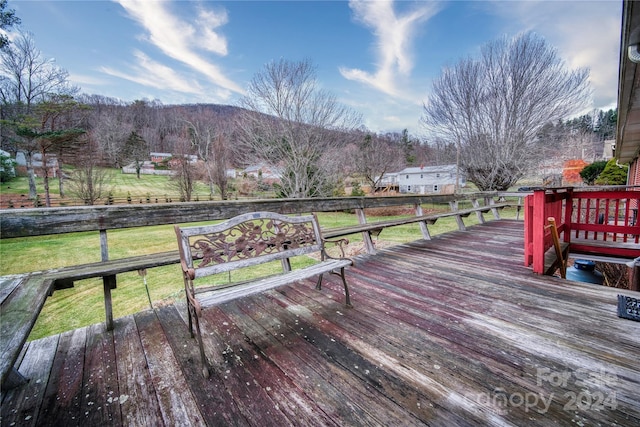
378, 57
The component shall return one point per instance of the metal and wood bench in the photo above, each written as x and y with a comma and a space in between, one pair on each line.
244, 241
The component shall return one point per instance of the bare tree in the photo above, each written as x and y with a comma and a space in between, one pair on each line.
375, 156
88, 181
184, 176
291, 124
27, 78
492, 108
209, 136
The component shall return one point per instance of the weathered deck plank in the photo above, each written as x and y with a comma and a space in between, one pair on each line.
21, 406
284, 394
137, 399
450, 331
100, 383
63, 396
213, 399
177, 405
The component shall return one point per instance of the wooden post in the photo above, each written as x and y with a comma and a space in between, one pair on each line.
423, 225
479, 214
568, 215
366, 236
489, 201
528, 231
518, 207
454, 207
538, 222
108, 282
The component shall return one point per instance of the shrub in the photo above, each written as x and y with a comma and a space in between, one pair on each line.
356, 190
613, 174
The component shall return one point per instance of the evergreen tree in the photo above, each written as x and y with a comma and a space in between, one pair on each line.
591, 172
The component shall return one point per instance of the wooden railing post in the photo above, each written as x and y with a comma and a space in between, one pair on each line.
108, 282
489, 201
366, 235
568, 216
454, 207
423, 225
538, 229
528, 231
479, 214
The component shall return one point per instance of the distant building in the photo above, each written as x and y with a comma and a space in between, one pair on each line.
388, 182
36, 162
268, 174
159, 157
162, 157
429, 179
608, 151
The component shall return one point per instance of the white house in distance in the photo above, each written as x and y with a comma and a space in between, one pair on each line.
429, 179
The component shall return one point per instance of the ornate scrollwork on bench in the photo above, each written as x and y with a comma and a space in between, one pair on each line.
251, 239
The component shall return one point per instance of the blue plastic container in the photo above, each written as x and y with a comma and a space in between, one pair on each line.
584, 270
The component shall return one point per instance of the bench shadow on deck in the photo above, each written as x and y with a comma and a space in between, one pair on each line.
452, 331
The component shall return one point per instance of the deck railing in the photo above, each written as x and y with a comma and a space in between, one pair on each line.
596, 222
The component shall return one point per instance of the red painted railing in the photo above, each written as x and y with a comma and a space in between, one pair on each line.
600, 222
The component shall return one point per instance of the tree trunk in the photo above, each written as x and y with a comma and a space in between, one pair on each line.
60, 180
45, 176
33, 192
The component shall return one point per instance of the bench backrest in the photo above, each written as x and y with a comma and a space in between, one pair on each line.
246, 240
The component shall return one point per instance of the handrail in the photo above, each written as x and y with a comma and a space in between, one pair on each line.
48, 221
601, 221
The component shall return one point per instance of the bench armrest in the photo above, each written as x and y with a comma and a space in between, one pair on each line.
340, 243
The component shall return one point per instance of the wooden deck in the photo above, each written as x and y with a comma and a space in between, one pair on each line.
451, 331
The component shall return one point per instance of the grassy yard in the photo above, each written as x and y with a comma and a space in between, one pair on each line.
84, 303
120, 186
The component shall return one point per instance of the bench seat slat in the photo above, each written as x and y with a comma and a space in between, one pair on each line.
226, 294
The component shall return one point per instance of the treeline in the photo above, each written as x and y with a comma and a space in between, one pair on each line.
289, 123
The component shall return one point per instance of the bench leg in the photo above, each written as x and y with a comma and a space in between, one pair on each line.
203, 358
346, 288
344, 282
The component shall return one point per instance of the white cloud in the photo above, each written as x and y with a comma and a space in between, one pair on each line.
153, 74
394, 34
86, 80
183, 41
